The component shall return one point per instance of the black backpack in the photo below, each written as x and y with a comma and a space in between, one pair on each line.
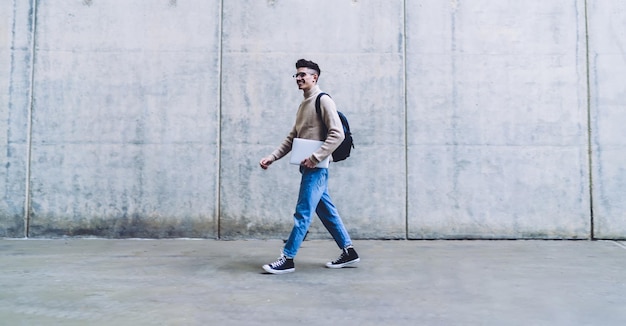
343, 151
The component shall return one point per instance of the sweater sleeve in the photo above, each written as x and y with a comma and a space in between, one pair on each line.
285, 147
335, 134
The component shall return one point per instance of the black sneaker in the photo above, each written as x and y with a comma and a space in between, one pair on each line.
348, 256
281, 266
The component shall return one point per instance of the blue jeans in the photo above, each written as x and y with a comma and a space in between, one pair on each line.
314, 194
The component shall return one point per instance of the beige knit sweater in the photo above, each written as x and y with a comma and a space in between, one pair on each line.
309, 126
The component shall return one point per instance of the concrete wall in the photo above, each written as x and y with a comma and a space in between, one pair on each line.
15, 63
607, 100
498, 119
472, 119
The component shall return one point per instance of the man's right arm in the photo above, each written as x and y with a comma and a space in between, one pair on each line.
283, 149
266, 161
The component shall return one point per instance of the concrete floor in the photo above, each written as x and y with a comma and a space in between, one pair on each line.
209, 282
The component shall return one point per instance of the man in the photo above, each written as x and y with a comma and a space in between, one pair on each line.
313, 194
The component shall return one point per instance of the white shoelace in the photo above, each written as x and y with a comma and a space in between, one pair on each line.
343, 255
279, 262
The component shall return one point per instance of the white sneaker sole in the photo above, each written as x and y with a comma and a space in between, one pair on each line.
330, 264
270, 270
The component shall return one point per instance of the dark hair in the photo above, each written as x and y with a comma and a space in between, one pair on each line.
302, 63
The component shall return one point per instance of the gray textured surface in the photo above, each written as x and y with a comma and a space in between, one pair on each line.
208, 282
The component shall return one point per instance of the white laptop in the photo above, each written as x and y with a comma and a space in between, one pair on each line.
302, 148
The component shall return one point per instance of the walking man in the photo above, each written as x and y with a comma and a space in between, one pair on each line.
313, 195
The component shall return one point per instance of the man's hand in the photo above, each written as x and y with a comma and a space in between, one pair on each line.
307, 163
266, 161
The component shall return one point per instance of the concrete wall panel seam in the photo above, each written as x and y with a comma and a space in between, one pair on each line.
406, 124
218, 175
29, 128
589, 135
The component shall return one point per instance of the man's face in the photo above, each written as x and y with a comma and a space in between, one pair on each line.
306, 78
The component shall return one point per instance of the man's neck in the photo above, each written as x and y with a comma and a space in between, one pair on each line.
308, 92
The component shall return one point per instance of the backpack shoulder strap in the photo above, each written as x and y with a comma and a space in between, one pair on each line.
318, 109
317, 103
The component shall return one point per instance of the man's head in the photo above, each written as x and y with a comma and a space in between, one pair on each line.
302, 63
307, 73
